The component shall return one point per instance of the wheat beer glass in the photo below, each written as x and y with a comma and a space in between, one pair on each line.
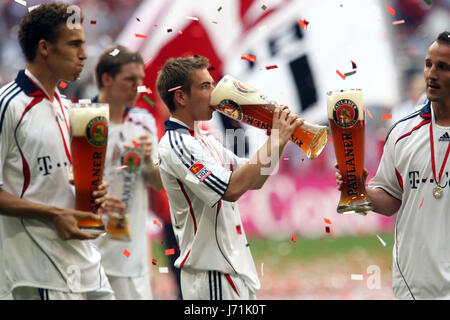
241, 102
346, 115
89, 136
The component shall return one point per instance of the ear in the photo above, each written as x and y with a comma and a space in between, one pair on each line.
179, 98
43, 48
106, 80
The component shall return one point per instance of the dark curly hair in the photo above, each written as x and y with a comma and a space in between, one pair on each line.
42, 23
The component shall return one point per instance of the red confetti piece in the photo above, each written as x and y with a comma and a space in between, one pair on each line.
173, 89
330, 139
421, 203
180, 32
248, 57
154, 262
137, 35
238, 229
63, 85
169, 252
327, 220
386, 117
135, 144
126, 253
293, 238
271, 67
391, 10
353, 64
303, 23
340, 74
369, 113
327, 229
157, 223
121, 167
398, 22
93, 22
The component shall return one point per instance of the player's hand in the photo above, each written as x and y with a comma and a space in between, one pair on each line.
66, 224
285, 123
113, 206
147, 148
340, 181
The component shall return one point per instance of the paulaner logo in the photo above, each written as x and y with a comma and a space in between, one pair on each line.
345, 113
97, 131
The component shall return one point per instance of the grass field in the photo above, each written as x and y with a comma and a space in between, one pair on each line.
308, 268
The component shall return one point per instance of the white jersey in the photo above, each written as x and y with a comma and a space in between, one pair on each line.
421, 255
35, 160
130, 185
195, 171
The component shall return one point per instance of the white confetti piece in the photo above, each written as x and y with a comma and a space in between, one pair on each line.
84, 101
381, 240
24, 3
357, 277
262, 269
115, 52
192, 18
163, 270
142, 89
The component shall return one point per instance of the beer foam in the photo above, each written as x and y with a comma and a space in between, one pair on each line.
80, 117
229, 88
355, 95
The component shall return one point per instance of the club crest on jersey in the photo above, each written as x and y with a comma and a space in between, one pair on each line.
131, 159
243, 88
345, 113
97, 131
200, 171
231, 109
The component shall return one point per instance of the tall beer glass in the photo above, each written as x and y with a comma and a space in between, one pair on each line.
239, 101
346, 114
89, 136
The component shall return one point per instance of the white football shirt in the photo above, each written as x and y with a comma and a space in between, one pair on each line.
195, 171
129, 185
35, 160
421, 255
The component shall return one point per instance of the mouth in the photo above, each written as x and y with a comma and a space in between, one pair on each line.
433, 86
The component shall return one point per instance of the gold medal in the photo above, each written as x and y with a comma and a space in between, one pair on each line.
437, 192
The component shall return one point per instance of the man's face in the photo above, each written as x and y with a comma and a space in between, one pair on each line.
123, 87
198, 101
66, 56
437, 72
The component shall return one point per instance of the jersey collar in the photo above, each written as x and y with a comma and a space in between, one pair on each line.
425, 112
175, 124
30, 84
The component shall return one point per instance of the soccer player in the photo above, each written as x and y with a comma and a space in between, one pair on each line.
413, 179
42, 255
203, 181
132, 141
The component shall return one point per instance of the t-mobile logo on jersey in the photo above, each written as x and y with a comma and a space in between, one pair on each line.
45, 165
415, 179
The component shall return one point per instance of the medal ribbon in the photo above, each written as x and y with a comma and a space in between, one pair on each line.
433, 164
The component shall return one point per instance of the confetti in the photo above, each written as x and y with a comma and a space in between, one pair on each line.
154, 262
157, 223
93, 22
24, 3
369, 113
347, 74
340, 74
179, 212
163, 270
329, 140
262, 269
286, 158
220, 8
386, 117
115, 52
192, 18
248, 57
327, 220
303, 23
293, 238
327, 229
173, 89
121, 167
398, 22
169, 252
141, 89
428, 2
421, 203
148, 100
169, 30
63, 85
238, 229
180, 32
272, 67
215, 22
391, 10
137, 35
353, 64
264, 7
84, 101
126, 253
381, 240
138, 19
356, 277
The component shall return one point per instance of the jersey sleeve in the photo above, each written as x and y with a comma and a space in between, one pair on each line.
387, 175
184, 157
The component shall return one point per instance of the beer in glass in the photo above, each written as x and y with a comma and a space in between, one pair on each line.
89, 136
239, 101
346, 115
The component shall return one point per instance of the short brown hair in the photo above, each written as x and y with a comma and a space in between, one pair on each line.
112, 63
42, 23
177, 72
443, 38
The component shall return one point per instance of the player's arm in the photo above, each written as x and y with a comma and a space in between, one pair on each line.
254, 174
152, 169
382, 201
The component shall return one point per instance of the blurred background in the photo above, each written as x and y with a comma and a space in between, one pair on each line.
302, 248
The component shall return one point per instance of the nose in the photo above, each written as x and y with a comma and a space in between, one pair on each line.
82, 55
